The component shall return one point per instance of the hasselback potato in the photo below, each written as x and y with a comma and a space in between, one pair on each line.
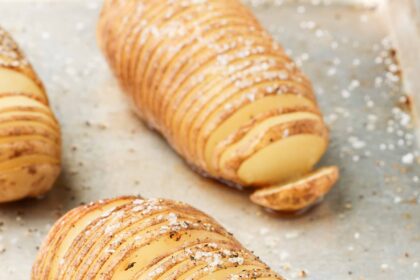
134, 238
224, 94
29, 132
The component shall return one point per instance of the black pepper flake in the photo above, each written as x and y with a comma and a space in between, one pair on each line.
130, 265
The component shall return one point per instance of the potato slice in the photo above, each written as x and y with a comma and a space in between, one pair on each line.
176, 262
154, 18
188, 56
14, 147
258, 157
20, 128
27, 180
14, 82
28, 115
247, 113
285, 159
185, 47
300, 194
21, 101
29, 160
182, 17
63, 235
215, 106
129, 227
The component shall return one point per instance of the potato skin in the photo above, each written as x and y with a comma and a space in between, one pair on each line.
298, 195
136, 238
30, 140
189, 66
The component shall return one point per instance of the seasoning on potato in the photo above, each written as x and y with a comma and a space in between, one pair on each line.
216, 85
135, 238
29, 133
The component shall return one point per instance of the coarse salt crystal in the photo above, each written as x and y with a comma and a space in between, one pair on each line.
408, 159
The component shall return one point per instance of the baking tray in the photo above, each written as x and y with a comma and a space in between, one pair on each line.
368, 227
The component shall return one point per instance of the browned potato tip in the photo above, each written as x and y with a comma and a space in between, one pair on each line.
298, 195
133, 238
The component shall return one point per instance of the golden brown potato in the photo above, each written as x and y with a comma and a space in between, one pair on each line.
134, 238
29, 133
208, 77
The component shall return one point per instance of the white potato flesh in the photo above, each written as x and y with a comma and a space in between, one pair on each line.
263, 161
246, 113
12, 81
281, 161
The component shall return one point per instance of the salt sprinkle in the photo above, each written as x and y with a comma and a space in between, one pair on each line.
397, 200
408, 159
292, 235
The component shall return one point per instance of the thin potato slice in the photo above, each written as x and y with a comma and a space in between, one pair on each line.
184, 19
23, 146
19, 128
289, 158
300, 194
100, 239
269, 131
15, 82
207, 107
18, 100
29, 160
94, 215
185, 46
248, 113
28, 115
57, 236
27, 180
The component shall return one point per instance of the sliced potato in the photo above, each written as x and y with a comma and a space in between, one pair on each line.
217, 86
228, 159
19, 128
15, 82
48, 259
28, 115
30, 140
283, 160
183, 17
16, 147
300, 194
185, 47
247, 113
21, 101
135, 238
210, 108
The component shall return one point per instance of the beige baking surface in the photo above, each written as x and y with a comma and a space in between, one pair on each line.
367, 228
